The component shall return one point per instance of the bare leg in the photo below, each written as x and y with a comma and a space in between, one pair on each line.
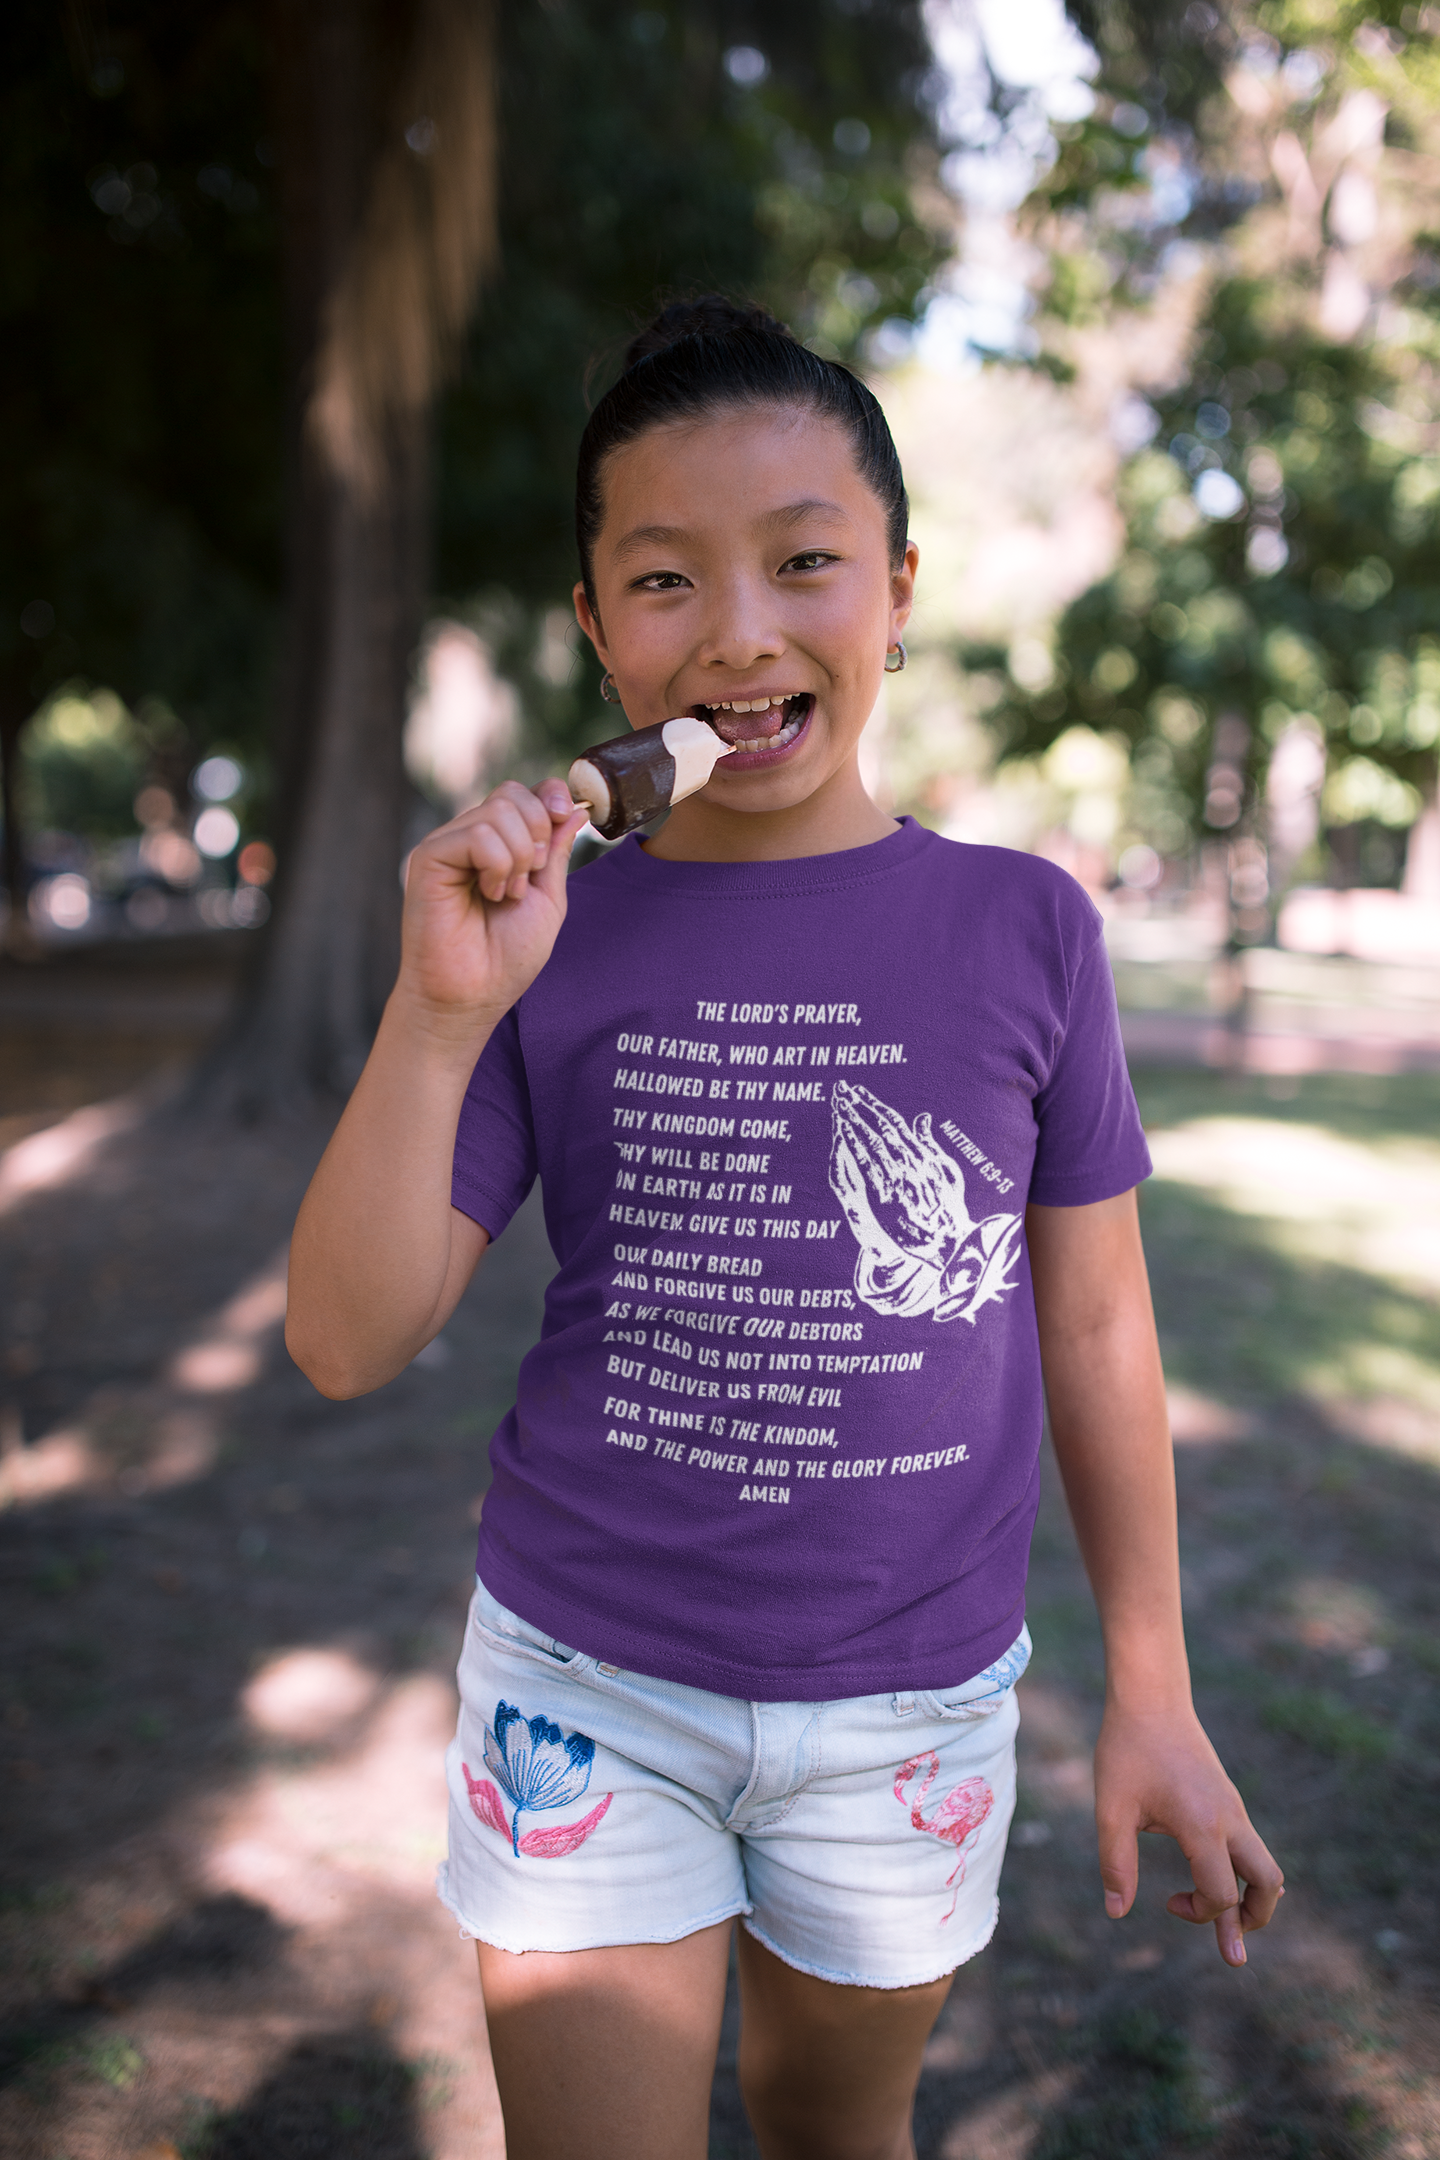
829, 2073
607, 2054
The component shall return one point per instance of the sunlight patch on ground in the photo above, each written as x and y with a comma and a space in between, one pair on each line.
147, 1439
339, 1846
1347, 1619
309, 1694
1195, 1417
1322, 1201
62, 1152
343, 1852
280, 1839
1393, 1424
229, 1351
175, 1446
1375, 1207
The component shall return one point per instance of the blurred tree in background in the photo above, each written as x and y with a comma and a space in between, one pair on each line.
242, 249
1271, 169
141, 383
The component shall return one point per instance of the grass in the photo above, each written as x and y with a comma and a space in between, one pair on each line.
1142, 2096
1322, 1720
40, 2055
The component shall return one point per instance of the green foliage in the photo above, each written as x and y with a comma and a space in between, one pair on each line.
1282, 548
83, 761
1321, 595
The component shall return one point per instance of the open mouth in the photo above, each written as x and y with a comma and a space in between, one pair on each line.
760, 726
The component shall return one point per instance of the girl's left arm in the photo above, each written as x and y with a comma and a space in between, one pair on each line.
1154, 1767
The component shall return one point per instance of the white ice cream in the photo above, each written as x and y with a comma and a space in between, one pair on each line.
696, 749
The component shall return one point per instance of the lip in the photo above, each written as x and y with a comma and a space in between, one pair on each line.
758, 760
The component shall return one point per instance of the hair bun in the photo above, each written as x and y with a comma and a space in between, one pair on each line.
709, 315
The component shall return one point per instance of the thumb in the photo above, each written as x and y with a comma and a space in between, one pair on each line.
567, 829
1119, 1867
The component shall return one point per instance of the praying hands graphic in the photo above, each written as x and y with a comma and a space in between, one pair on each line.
904, 1198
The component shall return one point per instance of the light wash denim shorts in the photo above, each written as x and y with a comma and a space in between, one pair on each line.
860, 1840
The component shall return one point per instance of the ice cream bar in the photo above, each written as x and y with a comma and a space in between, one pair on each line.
632, 779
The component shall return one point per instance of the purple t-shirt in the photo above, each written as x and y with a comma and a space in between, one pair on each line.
780, 1435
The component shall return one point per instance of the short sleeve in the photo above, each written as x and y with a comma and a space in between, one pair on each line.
1090, 1144
495, 1139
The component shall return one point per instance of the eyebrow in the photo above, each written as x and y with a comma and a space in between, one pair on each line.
661, 536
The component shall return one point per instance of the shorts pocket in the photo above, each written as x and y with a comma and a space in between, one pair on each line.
504, 1630
988, 1692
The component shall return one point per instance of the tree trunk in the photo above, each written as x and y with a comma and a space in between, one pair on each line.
377, 234
328, 966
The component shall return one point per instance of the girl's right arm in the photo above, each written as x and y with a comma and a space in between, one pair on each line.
379, 1257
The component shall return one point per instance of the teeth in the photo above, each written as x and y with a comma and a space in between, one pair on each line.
750, 705
786, 735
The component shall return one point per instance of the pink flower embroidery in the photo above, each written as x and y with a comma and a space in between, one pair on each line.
957, 1818
488, 1808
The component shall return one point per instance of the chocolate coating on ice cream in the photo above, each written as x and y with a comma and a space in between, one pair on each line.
631, 779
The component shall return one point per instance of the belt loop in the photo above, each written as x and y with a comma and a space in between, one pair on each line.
904, 1705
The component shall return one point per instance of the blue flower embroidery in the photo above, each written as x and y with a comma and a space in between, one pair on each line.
537, 1765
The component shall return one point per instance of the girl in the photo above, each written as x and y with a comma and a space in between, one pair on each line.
838, 1151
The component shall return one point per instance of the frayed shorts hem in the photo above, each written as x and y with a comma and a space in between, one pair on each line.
494, 1938
952, 1963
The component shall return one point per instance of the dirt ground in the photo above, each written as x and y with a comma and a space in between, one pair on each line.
230, 1613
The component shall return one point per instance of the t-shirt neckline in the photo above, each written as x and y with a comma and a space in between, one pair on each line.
793, 873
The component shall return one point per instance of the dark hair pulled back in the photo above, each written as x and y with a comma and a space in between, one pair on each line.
701, 356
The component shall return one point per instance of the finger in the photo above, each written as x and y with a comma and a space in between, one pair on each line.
556, 799
1230, 1936
531, 808
473, 851
506, 816
1263, 1880
1119, 1866
1215, 1899
491, 860
1228, 1923
1201, 1906
551, 880
525, 825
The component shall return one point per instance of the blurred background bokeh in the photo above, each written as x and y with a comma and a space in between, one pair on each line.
302, 310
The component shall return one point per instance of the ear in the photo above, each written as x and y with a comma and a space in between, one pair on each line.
902, 590
590, 623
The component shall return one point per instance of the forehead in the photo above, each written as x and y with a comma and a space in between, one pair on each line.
747, 466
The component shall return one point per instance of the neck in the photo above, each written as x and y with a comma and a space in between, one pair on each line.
838, 815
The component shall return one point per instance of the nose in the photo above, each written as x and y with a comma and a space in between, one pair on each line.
740, 626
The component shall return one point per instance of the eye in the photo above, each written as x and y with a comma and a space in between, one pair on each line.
660, 581
812, 559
